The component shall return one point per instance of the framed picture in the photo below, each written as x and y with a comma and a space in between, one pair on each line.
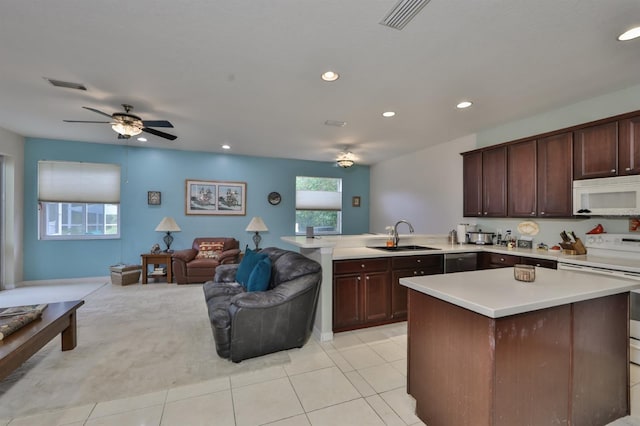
205, 197
154, 198
355, 201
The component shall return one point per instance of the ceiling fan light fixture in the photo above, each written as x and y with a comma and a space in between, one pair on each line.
126, 129
345, 160
330, 76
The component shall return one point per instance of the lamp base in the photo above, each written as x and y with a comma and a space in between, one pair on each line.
168, 239
256, 240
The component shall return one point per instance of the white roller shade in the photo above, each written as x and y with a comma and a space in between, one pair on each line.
318, 200
65, 181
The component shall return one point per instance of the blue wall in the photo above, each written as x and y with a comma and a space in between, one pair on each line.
165, 170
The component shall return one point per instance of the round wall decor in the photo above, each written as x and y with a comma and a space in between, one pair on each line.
274, 198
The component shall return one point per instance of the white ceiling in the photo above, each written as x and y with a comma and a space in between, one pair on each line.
247, 72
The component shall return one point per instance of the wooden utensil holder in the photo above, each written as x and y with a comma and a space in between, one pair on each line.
574, 248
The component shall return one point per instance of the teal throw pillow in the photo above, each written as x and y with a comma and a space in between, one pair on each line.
249, 261
259, 278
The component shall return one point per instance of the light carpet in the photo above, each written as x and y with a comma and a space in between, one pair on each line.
132, 340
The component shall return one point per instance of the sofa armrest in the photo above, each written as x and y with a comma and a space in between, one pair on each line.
186, 255
226, 273
229, 256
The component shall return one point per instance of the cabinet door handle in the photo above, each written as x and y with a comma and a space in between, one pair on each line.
613, 170
359, 278
479, 213
533, 213
419, 260
628, 169
485, 213
502, 259
415, 272
367, 277
362, 266
541, 212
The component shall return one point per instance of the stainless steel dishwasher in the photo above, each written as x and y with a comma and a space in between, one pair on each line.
460, 262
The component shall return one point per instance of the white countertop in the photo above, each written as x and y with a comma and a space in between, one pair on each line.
356, 247
496, 293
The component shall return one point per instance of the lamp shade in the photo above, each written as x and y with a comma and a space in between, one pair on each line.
168, 225
257, 225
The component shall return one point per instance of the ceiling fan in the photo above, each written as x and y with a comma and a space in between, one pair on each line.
127, 124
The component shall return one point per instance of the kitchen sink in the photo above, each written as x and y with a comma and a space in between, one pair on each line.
404, 248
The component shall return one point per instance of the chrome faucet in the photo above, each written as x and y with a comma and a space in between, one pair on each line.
396, 238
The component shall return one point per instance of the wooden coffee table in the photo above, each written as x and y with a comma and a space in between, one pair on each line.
57, 318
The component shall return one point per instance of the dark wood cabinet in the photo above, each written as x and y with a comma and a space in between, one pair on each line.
494, 182
361, 293
629, 146
522, 179
410, 266
485, 183
595, 151
472, 184
540, 263
487, 260
554, 176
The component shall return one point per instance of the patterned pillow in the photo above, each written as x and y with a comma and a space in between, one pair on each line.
209, 250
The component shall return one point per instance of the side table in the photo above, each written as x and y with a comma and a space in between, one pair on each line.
155, 260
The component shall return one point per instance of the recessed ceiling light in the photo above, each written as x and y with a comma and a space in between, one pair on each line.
464, 104
388, 114
330, 76
225, 146
630, 35
142, 139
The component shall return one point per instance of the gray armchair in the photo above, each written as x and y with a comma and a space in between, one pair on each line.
250, 324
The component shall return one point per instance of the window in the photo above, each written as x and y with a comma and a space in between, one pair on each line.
318, 204
78, 200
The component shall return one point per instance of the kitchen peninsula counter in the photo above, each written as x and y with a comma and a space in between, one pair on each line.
485, 349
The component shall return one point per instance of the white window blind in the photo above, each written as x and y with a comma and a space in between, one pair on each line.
66, 181
318, 200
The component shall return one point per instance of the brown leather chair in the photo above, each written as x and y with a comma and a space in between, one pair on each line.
188, 268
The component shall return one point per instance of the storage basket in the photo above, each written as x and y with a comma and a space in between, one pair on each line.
125, 274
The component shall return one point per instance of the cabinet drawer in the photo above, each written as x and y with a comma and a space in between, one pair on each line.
542, 263
422, 262
360, 265
499, 260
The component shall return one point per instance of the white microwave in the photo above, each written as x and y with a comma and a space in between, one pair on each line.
612, 196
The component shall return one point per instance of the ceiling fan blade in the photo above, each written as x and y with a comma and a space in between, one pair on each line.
159, 133
156, 123
97, 111
84, 121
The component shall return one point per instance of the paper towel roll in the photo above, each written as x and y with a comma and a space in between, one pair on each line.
462, 233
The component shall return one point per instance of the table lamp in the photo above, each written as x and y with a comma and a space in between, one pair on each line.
257, 225
168, 225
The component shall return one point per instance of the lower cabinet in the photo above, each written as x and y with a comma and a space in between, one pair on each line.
361, 293
488, 260
367, 292
410, 266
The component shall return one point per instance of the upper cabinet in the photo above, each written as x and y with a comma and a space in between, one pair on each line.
554, 192
539, 183
485, 183
533, 177
629, 146
522, 181
595, 151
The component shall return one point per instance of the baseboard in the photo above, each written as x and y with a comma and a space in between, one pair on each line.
322, 337
104, 279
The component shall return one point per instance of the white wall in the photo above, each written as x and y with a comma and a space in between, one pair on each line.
12, 148
424, 188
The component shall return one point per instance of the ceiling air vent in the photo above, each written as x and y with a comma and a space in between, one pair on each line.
335, 123
66, 84
403, 12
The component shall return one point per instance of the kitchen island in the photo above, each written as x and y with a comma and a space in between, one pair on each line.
485, 349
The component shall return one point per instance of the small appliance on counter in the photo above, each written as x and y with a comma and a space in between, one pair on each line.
480, 238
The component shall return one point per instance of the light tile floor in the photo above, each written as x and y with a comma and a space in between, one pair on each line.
359, 378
